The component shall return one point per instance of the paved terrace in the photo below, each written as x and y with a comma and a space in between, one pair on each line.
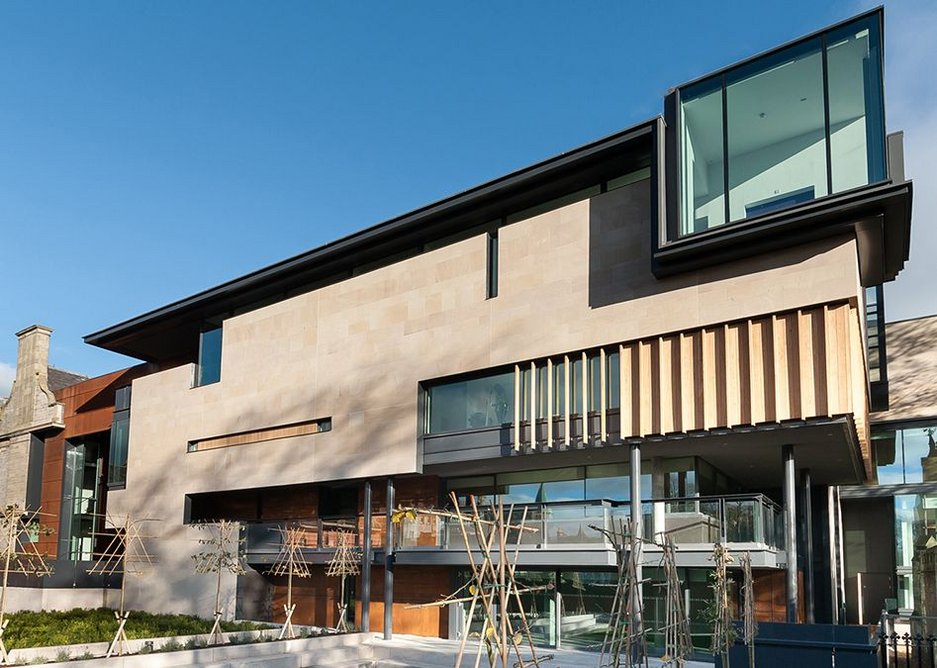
418, 652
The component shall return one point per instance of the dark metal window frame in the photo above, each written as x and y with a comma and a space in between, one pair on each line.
493, 261
67, 507
875, 318
424, 388
208, 326
122, 482
674, 141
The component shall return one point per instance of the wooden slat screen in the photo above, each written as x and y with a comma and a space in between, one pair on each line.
795, 365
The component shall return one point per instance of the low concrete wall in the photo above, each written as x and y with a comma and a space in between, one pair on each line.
36, 599
331, 648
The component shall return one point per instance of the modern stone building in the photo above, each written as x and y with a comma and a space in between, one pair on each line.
667, 324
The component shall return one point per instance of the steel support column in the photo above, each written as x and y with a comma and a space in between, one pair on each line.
833, 553
808, 545
790, 530
389, 564
366, 561
637, 515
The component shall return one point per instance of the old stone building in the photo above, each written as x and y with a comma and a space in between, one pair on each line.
28, 415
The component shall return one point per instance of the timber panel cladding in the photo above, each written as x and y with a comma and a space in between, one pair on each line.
316, 598
796, 365
53, 470
413, 586
88, 409
89, 405
770, 589
261, 435
275, 504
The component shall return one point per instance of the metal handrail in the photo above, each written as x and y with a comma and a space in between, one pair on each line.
760, 532
319, 525
764, 500
718, 508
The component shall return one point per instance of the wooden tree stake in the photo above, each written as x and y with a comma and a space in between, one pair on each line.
222, 553
344, 563
19, 556
749, 625
723, 630
125, 554
290, 562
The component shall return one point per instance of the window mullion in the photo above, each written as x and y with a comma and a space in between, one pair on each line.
826, 117
725, 151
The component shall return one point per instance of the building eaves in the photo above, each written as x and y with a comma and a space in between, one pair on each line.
536, 183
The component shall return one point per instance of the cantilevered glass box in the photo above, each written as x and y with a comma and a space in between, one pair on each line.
789, 134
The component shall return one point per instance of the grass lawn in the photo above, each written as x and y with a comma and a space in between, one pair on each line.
41, 629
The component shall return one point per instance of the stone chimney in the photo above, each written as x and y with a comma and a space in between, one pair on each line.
32, 404
30, 411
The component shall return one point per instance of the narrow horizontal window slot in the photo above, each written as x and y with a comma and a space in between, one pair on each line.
261, 435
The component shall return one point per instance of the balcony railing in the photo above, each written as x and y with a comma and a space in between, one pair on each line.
740, 519
319, 534
749, 519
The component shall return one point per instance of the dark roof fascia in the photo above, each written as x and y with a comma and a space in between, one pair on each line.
880, 10
883, 250
358, 241
903, 422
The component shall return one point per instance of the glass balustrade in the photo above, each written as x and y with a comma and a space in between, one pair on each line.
265, 537
739, 519
746, 519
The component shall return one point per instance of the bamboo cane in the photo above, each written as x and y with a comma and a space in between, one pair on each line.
464, 599
472, 564
520, 606
10, 546
479, 569
486, 568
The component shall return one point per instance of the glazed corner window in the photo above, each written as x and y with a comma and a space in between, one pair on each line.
120, 440
209, 356
470, 404
788, 128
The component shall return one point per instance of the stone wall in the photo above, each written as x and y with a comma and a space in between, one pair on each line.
31, 408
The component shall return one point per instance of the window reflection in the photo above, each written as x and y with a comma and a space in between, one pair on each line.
916, 538
702, 157
776, 131
209, 356
580, 483
856, 145
906, 455
471, 404
613, 374
784, 129
559, 388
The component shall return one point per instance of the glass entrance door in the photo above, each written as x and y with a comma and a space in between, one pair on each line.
81, 498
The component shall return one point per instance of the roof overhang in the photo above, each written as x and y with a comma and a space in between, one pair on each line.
171, 332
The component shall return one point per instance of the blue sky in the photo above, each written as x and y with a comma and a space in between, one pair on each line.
154, 149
